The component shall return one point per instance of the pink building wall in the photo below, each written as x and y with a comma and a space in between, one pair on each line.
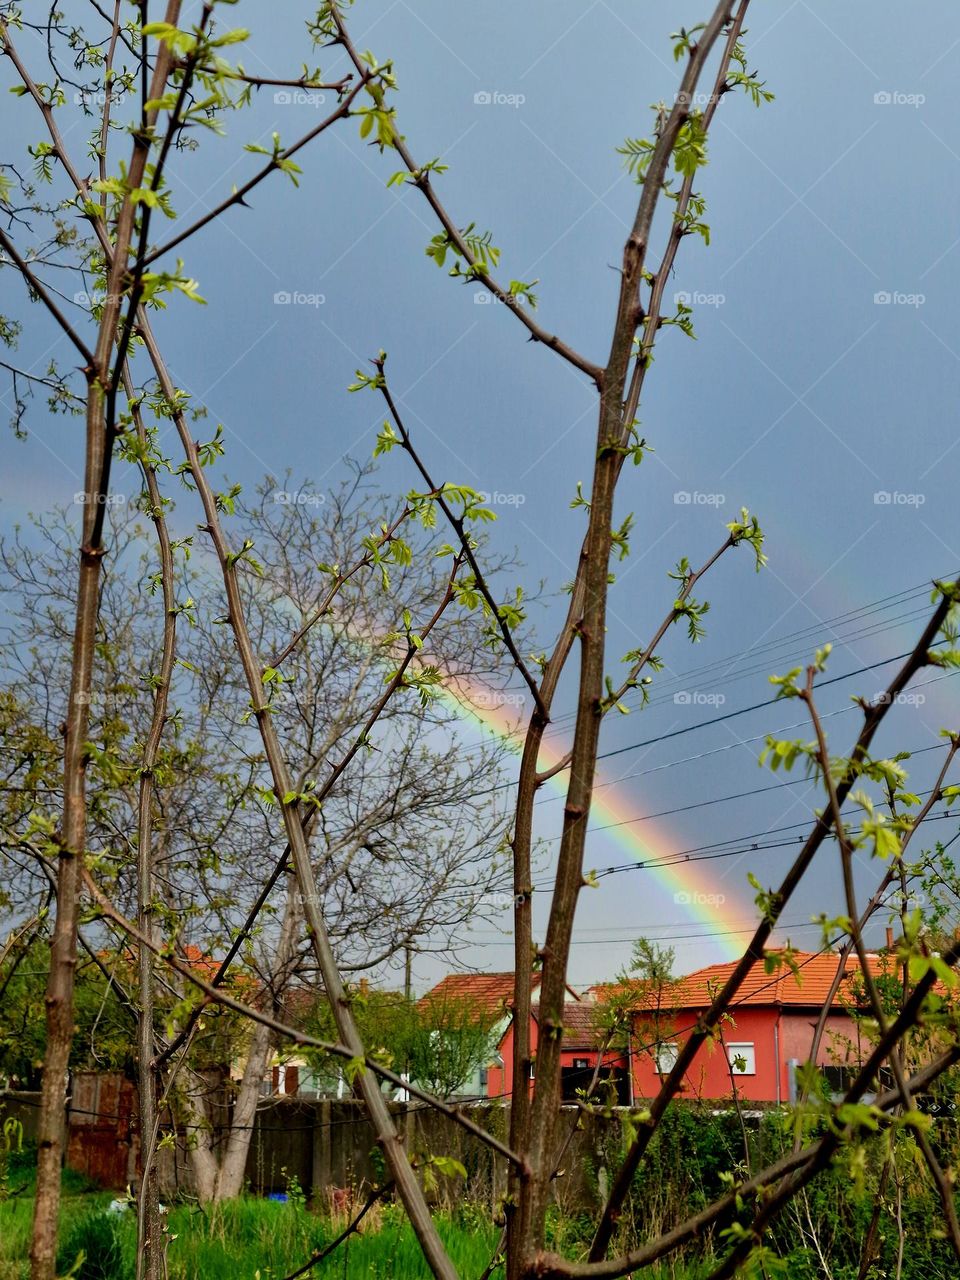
779, 1037
500, 1079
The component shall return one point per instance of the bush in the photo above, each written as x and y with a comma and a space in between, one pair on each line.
96, 1237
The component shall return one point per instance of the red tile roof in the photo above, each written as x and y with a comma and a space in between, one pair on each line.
808, 987
490, 992
204, 964
580, 1031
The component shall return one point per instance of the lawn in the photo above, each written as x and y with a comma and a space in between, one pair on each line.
241, 1240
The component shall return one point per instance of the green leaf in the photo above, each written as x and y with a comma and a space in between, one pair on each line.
354, 1068
449, 1167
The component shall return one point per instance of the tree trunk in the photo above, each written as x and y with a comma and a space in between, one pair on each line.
72, 836
148, 1201
233, 1166
200, 1139
149, 1229
222, 1179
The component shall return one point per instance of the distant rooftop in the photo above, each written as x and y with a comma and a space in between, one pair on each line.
490, 992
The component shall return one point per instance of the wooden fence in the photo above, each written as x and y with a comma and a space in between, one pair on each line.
326, 1146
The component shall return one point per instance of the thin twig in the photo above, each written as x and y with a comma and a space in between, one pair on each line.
238, 196
420, 178
348, 1230
36, 286
287, 1032
873, 718
457, 525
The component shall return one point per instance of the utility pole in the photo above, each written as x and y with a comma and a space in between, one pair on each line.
408, 996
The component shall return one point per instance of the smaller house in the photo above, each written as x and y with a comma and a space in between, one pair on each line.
457, 1013
490, 995
288, 1073
584, 1057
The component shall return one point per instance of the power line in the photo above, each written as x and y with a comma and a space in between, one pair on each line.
756, 706
697, 674
687, 937
643, 930
727, 716
738, 795
717, 851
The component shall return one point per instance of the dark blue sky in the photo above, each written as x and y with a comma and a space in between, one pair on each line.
825, 371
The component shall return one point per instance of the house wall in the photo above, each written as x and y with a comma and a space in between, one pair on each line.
841, 1039
709, 1074
841, 1043
500, 1079
779, 1037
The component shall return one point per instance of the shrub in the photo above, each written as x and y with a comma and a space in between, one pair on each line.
94, 1239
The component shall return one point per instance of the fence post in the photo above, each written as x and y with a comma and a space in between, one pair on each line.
498, 1168
320, 1176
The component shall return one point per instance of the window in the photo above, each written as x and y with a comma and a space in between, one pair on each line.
742, 1059
310, 1083
838, 1079
581, 1063
666, 1058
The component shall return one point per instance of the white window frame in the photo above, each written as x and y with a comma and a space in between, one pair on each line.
665, 1056
746, 1050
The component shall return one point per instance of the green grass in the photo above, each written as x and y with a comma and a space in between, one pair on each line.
15, 1219
247, 1236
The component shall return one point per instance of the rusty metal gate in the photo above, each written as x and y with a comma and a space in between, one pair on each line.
100, 1127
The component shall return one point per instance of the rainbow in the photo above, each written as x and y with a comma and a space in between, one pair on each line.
687, 886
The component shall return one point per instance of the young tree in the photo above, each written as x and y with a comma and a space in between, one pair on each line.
178, 78
439, 1044
454, 1040
647, 984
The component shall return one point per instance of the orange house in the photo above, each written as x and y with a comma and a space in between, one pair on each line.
769, 1034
